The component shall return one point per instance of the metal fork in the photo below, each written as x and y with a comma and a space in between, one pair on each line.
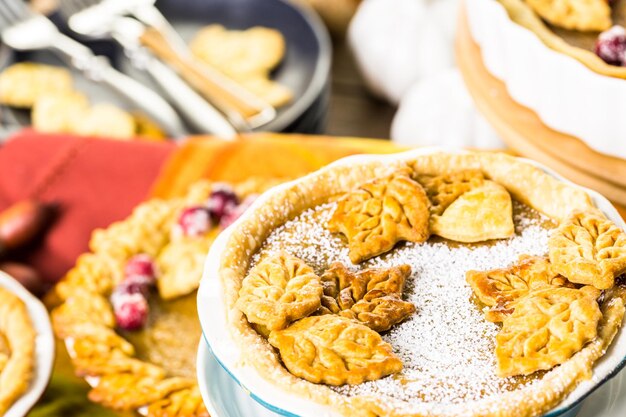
22, 29
127, 31
244, 110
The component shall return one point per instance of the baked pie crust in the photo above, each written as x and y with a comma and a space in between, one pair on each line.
525, 184
501, 288
84, 318
548, 327
334, 350
583, 15
372, 297
381, 213
522, 13
278, 291
589, 249
17, 349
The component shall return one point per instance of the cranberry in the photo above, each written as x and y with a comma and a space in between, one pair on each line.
611, 46
132, 312
195, 221
221, 201
140, 265
231, 216
135, 284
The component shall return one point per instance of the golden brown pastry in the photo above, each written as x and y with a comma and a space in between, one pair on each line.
582, 15
589, 249
334, 350
483, 213
17, 352
501, 288
547, 328
22, 84
278, 291
380, 213
373, 296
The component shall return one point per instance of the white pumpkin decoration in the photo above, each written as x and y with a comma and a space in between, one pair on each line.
438, 111
398, 42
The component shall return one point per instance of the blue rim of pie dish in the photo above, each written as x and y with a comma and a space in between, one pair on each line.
569, 411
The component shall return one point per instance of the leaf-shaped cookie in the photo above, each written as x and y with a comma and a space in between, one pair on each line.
581, 15
442, 190
547, 328
381, 213
279, 290
501, 288
483, 213
372, 296
334, 350
589, 249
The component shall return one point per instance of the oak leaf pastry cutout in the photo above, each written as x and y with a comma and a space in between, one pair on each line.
443, 190
278, 291
381, 213
334, 350
501, 288
588, 249
372, 297
581, 15
547, 328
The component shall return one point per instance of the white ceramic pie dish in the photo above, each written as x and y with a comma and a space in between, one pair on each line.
565, 94
214, 322
44, 347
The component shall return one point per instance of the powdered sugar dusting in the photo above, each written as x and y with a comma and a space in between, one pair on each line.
447, 347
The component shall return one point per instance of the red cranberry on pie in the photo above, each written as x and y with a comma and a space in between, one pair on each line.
231, 216
141, 265
134, 284
611, 46
131, 312
195, 221
221, 201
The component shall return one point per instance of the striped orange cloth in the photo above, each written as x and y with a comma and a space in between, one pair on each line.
263, 155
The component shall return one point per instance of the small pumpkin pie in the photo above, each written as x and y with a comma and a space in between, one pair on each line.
591, 31
17, 349
425, 284
127, 310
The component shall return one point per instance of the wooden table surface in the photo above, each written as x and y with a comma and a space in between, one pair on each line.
353, 110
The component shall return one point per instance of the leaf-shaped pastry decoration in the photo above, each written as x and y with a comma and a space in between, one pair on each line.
581, 15
501, 288
334, 350
381, 213
547, 328
180, 264
589, 249
443, 190
483, 213
279, 290
372, 296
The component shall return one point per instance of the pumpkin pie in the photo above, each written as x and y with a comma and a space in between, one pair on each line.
127, 310
365, 288
17, 349
591, 31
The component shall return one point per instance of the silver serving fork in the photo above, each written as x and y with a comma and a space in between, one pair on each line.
127, 31
23, 29
243, 109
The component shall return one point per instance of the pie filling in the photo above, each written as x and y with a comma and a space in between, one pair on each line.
447, 346
588, 40
159, 342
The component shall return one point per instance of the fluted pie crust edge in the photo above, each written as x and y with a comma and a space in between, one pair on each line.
525, 182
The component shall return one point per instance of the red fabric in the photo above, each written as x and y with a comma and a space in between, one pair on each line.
95, 181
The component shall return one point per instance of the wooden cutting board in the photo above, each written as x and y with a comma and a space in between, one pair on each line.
527, 135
